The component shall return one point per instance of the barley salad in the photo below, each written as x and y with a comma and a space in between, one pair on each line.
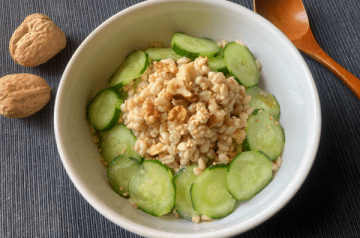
186, 129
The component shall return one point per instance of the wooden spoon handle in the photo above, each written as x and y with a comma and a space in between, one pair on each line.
312, 48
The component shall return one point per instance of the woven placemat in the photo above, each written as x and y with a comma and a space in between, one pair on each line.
39, 200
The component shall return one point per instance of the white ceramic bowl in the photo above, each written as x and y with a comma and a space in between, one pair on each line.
284, 73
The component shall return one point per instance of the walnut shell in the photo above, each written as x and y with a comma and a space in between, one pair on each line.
36, 41
21, 95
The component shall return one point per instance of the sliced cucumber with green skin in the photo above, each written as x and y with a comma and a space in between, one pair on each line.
117, 141
120, 171
263, 100
103, 111
193, 47
134, 65
264, 133
183, 180
209, 194
241, 64
217, 64
248, 173
158, 54
153, 188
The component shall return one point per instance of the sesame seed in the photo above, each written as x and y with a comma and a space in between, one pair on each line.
268, 127
257, 120
121, 188
276, 123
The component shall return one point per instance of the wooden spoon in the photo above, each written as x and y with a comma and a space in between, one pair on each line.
291, 18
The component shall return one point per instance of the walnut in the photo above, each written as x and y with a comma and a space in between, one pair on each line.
156, 149
36, 41
179, 100
216, 119
148, 111
177, 114
21, 95
186, 74
179, 89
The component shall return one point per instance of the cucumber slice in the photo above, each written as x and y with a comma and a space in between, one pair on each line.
263, 100
193, 47
209, 194
134, 65
103, 111
117, 141
265, 134
120, 171
248, 173
158, 54
183, 180
153, 188
217, 64
241, 64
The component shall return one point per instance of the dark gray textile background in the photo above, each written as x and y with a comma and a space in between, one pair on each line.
39, 200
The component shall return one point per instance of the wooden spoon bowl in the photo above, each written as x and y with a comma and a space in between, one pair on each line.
291, 18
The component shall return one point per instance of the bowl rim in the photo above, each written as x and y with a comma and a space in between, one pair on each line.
286, 195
